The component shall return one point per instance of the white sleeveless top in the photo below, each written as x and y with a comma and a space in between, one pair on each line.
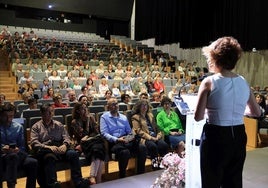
227, 101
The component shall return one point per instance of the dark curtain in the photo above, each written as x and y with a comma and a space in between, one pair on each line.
195, 23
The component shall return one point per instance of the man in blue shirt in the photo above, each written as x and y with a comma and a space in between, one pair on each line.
117, 131
13, 149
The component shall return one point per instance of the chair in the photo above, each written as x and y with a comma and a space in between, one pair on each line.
6, 102
130, 106
71, 104
155, 112
17, 102
59, 118
155, 104
68, 121
27, 114
39, 75
63, 112
33, 120
123, 107
98, 116
96, 109
44, 101
134, 100
38, 92
63, 92
129, 115
99, 102
55, 83
22, 107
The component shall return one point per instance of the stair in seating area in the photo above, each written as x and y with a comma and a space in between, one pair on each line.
8, 86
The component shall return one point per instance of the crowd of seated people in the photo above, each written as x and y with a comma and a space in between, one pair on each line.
44, 54
156, 131
112, 79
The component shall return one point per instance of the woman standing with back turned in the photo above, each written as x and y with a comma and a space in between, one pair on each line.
225, 95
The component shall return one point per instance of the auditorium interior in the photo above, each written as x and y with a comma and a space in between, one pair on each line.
144, 39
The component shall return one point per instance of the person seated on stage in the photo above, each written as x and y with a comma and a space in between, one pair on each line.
51, 142
169, 122
13, 155
116, 129
83, 127
144, 125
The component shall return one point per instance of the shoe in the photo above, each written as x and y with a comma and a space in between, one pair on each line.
160, 163
155, 164
92, 180
84, 183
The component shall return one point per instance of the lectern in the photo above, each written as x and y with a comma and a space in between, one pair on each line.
187, 104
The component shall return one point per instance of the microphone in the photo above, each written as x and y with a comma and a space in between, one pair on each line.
186, 84
178, 100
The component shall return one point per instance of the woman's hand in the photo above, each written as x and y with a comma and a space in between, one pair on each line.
78, 148
154, 138
173, 133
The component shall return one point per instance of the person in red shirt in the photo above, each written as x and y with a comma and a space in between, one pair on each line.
159, 85
57, 99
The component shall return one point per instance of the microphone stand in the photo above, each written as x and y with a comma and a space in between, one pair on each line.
182, 106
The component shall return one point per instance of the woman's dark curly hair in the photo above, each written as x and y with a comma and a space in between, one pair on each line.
165, 100
76, 110
225, 52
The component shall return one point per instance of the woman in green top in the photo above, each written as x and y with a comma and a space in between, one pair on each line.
169, 122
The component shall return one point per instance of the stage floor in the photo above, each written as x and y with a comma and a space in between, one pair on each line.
255, 174
138, 181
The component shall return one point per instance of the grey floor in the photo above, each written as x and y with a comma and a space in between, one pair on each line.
255, 174
256, 169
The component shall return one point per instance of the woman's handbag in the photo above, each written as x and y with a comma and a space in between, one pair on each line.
93, 145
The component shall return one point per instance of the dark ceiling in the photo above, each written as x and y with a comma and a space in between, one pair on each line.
108, 9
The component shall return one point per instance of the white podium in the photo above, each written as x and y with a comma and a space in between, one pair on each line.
193, 133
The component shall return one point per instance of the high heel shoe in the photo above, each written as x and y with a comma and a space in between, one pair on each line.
92, 180
155, 164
